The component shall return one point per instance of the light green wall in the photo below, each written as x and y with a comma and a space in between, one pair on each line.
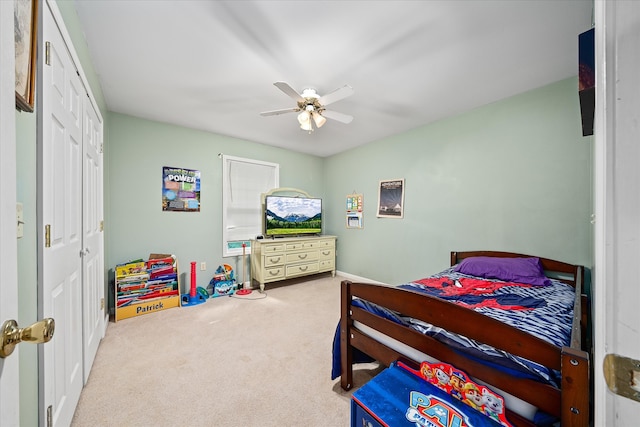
135, 223
513, 175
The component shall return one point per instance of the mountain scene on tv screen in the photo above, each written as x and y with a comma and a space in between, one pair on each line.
294, 217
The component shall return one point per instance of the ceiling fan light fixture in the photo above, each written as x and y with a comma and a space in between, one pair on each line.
307, 126
303, 118
318, 119
310, 105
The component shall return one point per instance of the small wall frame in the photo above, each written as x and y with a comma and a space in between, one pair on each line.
354, 210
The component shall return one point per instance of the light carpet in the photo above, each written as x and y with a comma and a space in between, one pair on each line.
260, 360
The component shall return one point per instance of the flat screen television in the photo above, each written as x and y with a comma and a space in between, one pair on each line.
292, 216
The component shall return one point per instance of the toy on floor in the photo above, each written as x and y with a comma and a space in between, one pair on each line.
194, 297
223, 282
246, 290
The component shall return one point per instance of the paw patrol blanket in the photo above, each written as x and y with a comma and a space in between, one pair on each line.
400, 396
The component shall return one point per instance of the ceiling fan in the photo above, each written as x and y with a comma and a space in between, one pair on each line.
312, 106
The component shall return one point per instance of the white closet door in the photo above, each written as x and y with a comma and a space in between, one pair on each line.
60, 219
92, 253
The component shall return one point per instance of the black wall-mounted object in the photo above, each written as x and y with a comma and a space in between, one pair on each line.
587, 80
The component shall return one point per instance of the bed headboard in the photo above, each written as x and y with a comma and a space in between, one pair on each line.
565, 272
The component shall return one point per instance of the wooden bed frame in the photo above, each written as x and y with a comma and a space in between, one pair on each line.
570, 402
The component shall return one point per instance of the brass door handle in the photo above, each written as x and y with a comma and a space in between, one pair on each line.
39, 332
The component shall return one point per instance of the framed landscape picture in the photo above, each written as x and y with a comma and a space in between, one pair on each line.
26, 27
391, 199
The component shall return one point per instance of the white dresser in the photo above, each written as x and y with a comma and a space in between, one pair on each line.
288, 257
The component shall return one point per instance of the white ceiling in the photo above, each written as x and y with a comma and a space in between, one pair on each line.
211, 65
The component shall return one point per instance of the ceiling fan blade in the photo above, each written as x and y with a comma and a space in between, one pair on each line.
336, 95
343, 118
283, 86
276, 112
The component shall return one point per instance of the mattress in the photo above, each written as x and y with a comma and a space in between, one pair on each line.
542, 311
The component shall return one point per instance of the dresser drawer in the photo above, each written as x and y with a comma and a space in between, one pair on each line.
295, 246
273, 260
319, 244
274, 273
327, 253
326, 264
299, 269
301, 256
273, 248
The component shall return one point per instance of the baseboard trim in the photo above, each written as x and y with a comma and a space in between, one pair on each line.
355, 278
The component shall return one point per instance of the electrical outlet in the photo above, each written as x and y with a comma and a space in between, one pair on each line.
203, 266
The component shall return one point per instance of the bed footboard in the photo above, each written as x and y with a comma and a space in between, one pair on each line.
570, 402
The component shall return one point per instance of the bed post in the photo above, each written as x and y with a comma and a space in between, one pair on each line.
454, 258
575, 387
346, 351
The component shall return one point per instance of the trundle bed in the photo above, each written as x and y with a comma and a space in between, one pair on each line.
534, 355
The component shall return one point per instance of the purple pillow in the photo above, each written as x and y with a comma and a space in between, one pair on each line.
517, 270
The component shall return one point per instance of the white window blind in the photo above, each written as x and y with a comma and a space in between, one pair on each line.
244, 181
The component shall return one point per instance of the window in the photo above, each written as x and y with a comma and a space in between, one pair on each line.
243, 183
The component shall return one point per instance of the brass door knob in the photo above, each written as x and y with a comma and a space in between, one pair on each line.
39, 332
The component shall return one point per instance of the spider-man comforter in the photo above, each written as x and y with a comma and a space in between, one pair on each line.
543, 311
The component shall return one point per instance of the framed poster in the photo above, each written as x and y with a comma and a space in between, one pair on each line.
180, 189
25, 34
391, 198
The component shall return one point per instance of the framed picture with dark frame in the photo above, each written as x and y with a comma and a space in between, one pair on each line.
391, 199
26, 35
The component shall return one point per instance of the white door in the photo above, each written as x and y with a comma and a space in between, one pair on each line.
92, 254
9, 403
617, 205
60, 233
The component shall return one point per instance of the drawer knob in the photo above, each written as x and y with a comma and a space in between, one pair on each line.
302, 256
